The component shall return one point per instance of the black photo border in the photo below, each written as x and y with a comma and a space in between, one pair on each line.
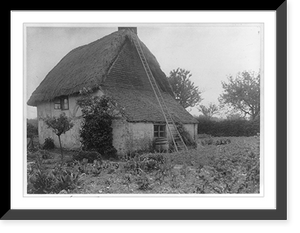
280, 213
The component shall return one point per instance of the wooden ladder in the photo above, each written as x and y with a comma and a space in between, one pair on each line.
171, 126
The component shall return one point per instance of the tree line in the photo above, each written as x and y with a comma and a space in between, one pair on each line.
239, 102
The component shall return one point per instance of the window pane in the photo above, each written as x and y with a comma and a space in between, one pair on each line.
155, 134
57, 104
164, 130
162, 133
65, 103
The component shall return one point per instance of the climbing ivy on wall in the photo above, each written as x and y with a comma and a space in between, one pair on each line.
96, 131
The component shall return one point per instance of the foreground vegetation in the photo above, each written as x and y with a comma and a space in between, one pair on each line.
214, 167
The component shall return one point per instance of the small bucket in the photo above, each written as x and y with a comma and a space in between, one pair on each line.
161, 144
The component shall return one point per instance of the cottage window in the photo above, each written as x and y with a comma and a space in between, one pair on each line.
159, 131
57, 103
61, 103
65, 103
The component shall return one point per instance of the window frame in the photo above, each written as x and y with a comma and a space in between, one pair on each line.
59, 103
62, 105
161, 131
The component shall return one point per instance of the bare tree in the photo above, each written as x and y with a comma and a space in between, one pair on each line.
209, 111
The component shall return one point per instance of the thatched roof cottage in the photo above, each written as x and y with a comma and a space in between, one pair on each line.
110, 66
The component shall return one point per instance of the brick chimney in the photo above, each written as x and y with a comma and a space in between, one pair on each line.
133, 29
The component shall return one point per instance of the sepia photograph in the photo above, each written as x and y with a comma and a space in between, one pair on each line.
143, 108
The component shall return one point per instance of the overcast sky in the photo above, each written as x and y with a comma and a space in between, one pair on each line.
211, 52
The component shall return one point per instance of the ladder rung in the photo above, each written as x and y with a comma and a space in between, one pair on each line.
179, 144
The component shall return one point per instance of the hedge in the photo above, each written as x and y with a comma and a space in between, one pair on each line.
228, 128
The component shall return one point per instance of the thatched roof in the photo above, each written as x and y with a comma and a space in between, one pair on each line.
112, 64
142, 106
86, 66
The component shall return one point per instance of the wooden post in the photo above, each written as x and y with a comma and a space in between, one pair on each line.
61, 150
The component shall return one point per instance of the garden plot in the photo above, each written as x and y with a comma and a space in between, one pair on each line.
210, 169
